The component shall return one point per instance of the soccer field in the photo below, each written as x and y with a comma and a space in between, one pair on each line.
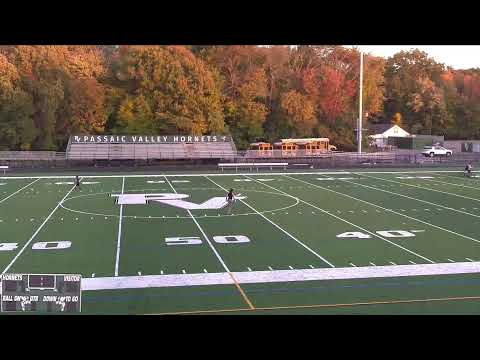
331, 242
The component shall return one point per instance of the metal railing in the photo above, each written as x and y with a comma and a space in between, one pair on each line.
31, 155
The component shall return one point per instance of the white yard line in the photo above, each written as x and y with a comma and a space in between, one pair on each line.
424, 201
36, 232
385, 209
119, 237
252, 277
16, 192
203, 233
448, 183
348, 222
235, 282
417, 199
278, 226
231, 174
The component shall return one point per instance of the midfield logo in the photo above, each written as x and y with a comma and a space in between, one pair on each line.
171, 199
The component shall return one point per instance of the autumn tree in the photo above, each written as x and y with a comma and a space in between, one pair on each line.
17, 130
164, 89
63, 82
244, 86
300, 111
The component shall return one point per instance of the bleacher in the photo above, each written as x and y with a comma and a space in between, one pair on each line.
151, 151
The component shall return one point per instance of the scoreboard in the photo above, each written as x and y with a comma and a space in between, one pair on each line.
44, 293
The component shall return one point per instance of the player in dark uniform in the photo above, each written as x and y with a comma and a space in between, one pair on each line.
468, 170
77, 182
230, 200
230, 197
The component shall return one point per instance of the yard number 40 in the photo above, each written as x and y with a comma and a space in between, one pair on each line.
384, 233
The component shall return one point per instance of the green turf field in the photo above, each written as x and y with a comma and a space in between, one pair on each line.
328, 242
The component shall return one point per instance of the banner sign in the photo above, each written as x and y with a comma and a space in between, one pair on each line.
147, 139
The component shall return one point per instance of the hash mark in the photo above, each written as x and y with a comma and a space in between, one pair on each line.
291, 268
183, 271
270, 268
139, 273
391, 262
372, 264
412, 262
469, 259
450, 260
311, 266
249, 269
353, 264
161, 272
205, 271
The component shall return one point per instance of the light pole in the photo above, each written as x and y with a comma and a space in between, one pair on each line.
360, 106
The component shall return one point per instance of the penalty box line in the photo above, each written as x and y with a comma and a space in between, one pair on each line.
278, 227
37, 231
383, 208
350, 223
237, 285
16, 192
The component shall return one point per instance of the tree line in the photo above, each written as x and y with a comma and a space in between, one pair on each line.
253, 93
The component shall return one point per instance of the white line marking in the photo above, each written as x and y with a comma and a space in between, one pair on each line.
274, 224
353, 264
390, 210
372, 264
448, 183
270, 268
161, 272
205, 271
140, 273
93, 275
391, 262
450, 260
183, 271
424, 201
249, 269
119, 236
16, 192
311, 266
291, 268
346, 221
36, 232
159, 281
469, 259
227, 174
412, 262
203, 233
